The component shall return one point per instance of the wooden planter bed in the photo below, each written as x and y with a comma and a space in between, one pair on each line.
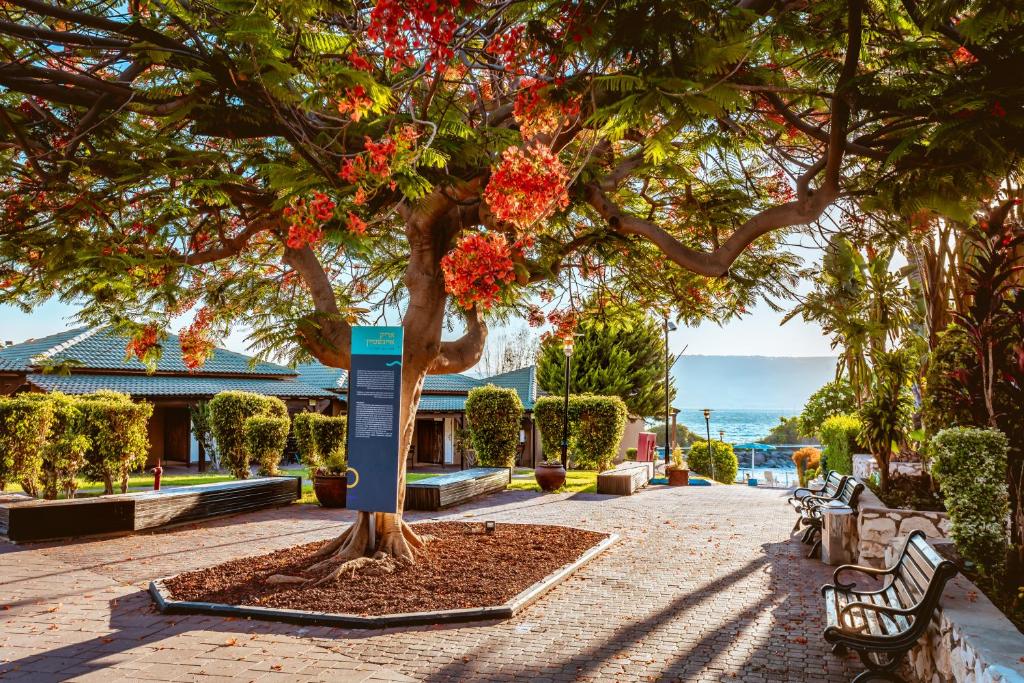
446, 490
45, 520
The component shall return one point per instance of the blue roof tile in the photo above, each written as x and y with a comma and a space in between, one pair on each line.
523, 380
163, 385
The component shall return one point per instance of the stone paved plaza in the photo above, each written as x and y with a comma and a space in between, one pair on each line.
705, 585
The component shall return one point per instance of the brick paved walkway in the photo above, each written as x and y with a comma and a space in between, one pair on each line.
706, 585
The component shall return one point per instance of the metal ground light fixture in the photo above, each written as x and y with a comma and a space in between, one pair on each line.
567, 344
669, 327
707, 423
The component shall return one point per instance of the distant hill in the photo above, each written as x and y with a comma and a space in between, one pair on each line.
750, 382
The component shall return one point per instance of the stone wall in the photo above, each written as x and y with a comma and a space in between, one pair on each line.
970, 640
879, 526
864, 465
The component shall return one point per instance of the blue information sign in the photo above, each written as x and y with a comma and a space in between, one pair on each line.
374, 403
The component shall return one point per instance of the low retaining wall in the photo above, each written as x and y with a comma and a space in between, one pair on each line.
879, 526
864, 465
969, 640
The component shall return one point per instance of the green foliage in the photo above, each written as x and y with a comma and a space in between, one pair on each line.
228, 412
117, 430
625, 359
725, 463
834, 398
789, 431
24, 425
64, 454
951, 381
265, 440
199, 413
302, 430
631, 453
886, 415
684, 435
495, 418
549, 415
839, 435
597, 424
970, 466
330, 436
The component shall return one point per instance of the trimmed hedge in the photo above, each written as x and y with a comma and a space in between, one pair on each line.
302, 431
970, 466
330, 436
839, 436
67, 445
726, 464
228, 412
596, 426
495, 417
265, 439
117, 430
24, 425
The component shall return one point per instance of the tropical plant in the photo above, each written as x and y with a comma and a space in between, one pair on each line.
835, 398
623, 357
970, 466
495, 417
886, 414
678, 460
24, 425
718, 462
806, 461
839, 436
789, 430
265, 439
228, 412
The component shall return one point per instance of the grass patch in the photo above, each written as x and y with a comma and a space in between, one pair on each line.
576, 481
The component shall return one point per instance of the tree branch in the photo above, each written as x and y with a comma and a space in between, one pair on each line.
463, 353
324, 334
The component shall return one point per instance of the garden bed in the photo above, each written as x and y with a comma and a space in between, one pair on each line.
464, 573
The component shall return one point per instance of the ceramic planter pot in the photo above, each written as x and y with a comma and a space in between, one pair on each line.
331, 489
550, 476
678, 477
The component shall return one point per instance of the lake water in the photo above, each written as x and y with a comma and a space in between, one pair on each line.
740, 425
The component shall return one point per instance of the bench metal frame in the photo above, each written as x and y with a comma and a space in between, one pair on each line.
899, 615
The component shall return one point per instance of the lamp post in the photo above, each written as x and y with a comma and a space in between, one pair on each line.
669, 327
567, 344
721, 435
707, 423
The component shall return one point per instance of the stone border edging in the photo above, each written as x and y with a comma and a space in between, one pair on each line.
518, 603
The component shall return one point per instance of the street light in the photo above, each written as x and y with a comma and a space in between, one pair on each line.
669, 327
707, 423
567, 343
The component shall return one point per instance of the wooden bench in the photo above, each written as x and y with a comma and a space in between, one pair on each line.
812, 514
625, 478
882, 625
45, 520
446, 490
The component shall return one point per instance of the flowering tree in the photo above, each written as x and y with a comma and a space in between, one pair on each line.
297, 166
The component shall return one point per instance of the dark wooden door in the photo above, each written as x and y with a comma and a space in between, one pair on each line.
430, 441
177, 434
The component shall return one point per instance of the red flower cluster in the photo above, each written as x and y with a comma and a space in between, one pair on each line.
356, 224
143, 342
778, 187
507, 46
527, 186
477, 269
194, 340
379, 157
356, 103
963, 56
359, 62
563, 322
537, 114
305, 219
408, 26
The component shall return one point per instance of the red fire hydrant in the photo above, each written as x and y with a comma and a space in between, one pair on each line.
157, 472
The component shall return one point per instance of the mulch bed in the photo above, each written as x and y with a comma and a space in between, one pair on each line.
463, 567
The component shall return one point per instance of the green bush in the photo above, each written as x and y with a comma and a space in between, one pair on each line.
807, 460
265, 439
631, 454
950, 382
970, 466
835, 398
596, 425
24, 425
117, 430
329, 436
302, 431
726, 464
228, 412
495, 417
64, 455
200, 416
839, 435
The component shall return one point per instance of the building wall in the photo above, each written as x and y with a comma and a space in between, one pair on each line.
634, 425
155, 430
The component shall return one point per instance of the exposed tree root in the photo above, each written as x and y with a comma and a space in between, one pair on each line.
397, 545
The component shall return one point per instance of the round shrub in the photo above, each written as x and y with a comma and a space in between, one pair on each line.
970, 466
329, 436
265, 439
839, 436
726, 464
548, 412
631, 454
24, 425
228, 412
117, 430
495, 417
66, 447
302, 431
596, 424
806, 461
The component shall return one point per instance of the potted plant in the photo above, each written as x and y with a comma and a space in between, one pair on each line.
678, 472
330, 482
550, 475
321, 444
